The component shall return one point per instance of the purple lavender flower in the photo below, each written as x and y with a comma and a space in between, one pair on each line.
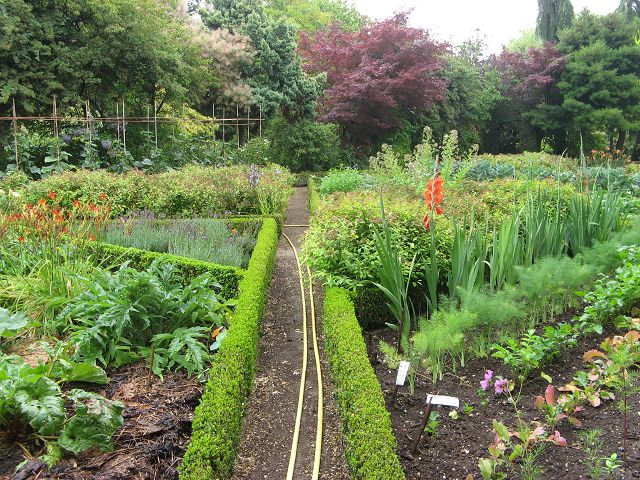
254, 176
106, 144
502, 386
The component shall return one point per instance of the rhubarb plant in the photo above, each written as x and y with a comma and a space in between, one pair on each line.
34, 406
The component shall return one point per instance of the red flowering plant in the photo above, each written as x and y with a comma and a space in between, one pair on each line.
434, 196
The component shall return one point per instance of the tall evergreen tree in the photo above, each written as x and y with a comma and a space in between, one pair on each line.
553, 16
278, 82
631, 8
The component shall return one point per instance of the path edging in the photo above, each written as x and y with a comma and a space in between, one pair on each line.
371, 447
217, 422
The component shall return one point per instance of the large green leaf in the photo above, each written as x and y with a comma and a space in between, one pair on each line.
12, 324
84, 372
94, 423
41, 404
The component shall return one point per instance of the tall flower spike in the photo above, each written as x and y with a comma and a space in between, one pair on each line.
434, 196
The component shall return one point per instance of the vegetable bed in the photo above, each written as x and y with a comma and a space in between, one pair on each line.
452, 448
105, 349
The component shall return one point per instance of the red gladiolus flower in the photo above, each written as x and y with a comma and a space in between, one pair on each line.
434, 196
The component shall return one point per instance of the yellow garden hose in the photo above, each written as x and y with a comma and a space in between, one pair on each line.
318, 453
303, 375
305, 343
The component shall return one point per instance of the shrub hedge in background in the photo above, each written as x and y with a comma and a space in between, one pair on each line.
194, 191
305, 145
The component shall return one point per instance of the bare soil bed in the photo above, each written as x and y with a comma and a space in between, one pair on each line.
454, 453
150, 445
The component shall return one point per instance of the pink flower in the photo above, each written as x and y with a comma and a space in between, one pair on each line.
486, 383
558, 439
502, 386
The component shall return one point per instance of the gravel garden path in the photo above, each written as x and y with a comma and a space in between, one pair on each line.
269, 421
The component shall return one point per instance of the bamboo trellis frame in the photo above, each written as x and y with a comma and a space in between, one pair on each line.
121, 120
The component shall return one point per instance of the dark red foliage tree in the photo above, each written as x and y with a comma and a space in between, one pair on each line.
532, 76
374, 75
530, 83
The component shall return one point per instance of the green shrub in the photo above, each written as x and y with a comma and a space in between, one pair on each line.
228, 277
194, 191
340, 244
370, 446
217, 422
304, 145
256, 151
340, 181
314, 198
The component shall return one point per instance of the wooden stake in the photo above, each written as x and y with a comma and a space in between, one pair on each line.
118, 120
15, 133
124, 130
55, 129
238, 124
155, 120
223, 125
248, 120
423, 425
260, 121
213, 120
88, 121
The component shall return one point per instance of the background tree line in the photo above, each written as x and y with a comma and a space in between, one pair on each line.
327, 78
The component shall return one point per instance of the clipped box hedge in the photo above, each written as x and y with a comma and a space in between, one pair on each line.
371, 448
217, 423
228, 277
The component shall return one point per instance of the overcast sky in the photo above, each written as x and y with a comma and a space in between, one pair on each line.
457, 20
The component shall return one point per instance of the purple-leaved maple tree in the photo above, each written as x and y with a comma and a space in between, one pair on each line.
532, 76
374, 75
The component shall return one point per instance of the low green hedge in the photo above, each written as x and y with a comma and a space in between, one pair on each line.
228, 277
314, 197
371, 448
217, 423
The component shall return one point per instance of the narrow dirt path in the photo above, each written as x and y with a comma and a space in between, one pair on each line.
269, 422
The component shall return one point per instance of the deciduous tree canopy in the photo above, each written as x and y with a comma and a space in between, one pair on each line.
375, 75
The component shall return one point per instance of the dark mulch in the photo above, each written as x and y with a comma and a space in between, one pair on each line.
455, 452
149, 446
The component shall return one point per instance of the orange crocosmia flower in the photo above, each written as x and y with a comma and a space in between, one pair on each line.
92, 237
42, 202
52, 195
21, 239
76, 203
103, 196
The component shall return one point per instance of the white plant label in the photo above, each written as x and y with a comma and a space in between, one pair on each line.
403, 369
444, 401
